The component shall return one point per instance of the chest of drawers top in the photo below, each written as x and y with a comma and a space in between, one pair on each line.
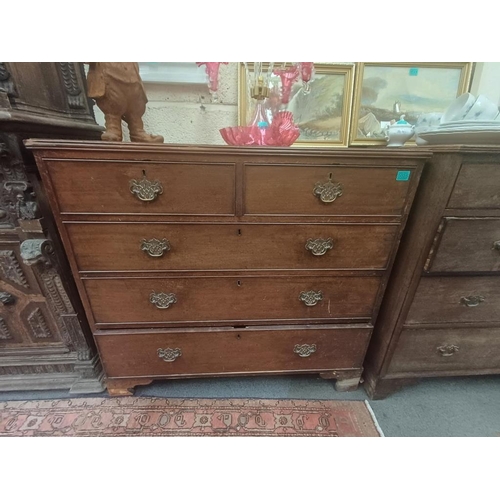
110, 179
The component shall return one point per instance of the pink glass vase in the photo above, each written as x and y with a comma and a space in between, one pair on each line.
212, 70
306, 75
288, 77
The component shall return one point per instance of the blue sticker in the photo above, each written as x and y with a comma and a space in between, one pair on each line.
403, 175
413, 71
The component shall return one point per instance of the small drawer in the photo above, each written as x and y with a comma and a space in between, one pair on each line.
447, 350
325, 191
232, 351
236, 300
467, 245
456, 300
109, 187
477, 186
202, 247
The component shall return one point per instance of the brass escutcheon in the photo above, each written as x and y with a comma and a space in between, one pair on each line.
319, 246
162, 300
154, 247
447, 350
145, 189
311, 298
304, 350
472, 300
328, 191
169, 355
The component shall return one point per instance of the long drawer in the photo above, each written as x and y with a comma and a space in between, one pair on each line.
325, 191
244, 350
460, 349
237, 300
158, 247
456, 300
143, 187
468, 245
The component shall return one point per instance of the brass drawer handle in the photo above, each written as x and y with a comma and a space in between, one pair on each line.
169, 355
163, 300
328, 191
154, 247
304, 350
472, 300
145, 189
311, 298
496, 245
319, 246
447, 350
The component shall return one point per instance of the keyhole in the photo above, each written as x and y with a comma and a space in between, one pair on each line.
144, 173
330, 176
238, 283
239, 232
238, 336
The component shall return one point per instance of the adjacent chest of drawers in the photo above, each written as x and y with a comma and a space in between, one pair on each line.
441, 313
199, 261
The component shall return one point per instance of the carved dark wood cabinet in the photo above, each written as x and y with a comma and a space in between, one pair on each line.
202, 261
441, 313
45, 341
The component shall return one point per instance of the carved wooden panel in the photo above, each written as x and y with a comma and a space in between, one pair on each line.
43, 343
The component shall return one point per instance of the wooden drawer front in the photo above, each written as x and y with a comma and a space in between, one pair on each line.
465, 349
236, 300
289, 190
477, 186
113, 247
239, 351
104, 187
444, 300
468, 245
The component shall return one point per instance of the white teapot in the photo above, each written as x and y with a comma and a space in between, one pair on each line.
398, 133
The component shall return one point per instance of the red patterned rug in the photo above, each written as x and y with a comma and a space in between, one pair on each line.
131, 416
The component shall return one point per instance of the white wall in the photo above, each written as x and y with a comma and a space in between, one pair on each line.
185, 113
486, 80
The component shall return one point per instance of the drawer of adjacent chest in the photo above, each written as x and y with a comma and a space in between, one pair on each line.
477, 186
325, 191
157, 247
238, 300
467, 245
237, 351
143, 187
461, 349
456, 300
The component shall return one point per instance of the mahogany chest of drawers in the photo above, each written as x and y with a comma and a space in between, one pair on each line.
441, 312
199, 261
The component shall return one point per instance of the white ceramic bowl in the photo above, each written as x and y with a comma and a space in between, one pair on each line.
428, 120
483, 109
425, 122
458, 108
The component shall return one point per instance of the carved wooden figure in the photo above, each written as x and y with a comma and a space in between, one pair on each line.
119, 93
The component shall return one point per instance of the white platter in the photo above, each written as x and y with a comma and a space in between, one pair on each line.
469, 125
486, 135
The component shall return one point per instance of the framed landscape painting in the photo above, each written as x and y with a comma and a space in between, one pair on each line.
385, 91
322, 115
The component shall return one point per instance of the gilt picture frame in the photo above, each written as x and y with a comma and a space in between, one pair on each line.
386, 91
323, 114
